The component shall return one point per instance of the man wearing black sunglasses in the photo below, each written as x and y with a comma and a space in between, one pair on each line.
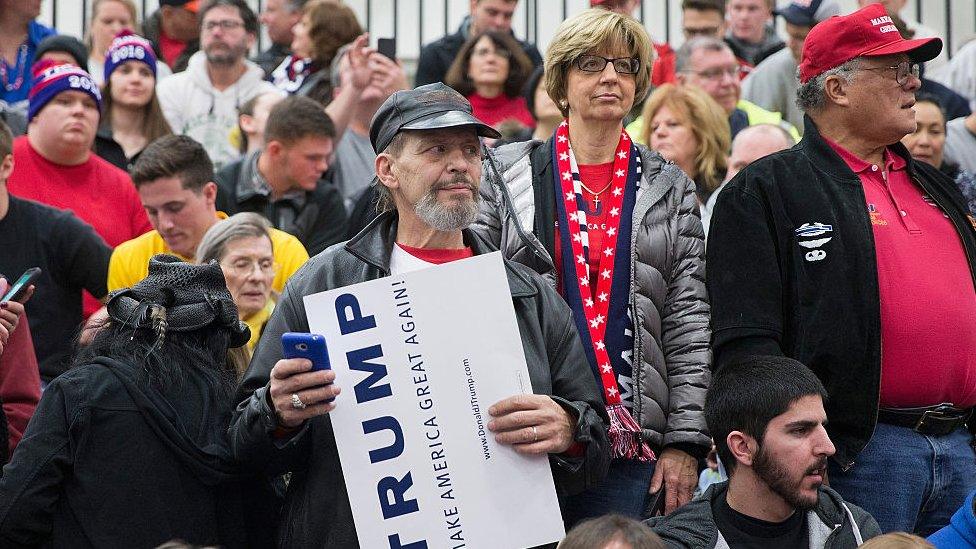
851, 257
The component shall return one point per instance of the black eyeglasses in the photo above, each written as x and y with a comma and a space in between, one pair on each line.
596, 63
902, 70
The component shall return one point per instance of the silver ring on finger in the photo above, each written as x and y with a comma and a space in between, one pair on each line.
297, 403
535, 434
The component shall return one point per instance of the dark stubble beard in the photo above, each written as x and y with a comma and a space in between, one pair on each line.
778, 479
452, 216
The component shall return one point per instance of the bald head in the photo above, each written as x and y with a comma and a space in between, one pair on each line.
755, 142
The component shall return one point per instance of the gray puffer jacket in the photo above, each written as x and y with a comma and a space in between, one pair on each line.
668, 301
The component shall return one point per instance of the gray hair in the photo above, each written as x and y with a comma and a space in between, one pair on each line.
811, 96
335, 74
295, 5
242, 225
682, 59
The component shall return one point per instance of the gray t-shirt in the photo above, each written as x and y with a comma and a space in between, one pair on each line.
354, 166
772, 85
960, 146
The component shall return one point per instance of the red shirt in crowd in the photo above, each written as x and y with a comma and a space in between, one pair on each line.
928, 301
493, 111
171, 48
97, 192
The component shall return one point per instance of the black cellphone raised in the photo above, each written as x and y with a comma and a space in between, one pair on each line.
19, 288
387, 47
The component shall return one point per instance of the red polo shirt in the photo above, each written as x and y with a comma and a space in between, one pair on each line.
928, 302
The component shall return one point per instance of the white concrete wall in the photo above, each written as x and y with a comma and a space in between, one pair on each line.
421, 21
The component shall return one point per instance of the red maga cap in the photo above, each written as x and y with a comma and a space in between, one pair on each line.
866, 32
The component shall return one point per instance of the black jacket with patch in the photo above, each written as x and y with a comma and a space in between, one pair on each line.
791, 270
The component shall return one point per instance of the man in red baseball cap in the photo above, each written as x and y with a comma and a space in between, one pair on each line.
851, 257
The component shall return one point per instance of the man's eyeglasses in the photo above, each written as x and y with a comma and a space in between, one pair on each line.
596, 63
902, 70
717, 73
224, 24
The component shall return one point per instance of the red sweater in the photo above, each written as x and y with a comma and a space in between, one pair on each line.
97, 192
496, 110
20, 382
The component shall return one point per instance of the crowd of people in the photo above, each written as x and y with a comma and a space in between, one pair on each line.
742, 268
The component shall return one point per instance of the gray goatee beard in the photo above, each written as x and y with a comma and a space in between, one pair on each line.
453, 216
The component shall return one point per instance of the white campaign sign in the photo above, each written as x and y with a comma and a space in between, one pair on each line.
420, 358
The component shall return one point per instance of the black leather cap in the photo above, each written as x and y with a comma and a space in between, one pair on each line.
429, 107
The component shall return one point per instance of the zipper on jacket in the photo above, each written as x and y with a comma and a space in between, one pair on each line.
509, 209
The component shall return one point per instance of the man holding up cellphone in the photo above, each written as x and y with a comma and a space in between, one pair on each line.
71, 257
428, 167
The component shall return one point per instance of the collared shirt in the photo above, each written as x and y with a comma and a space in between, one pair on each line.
252, 183
928, 302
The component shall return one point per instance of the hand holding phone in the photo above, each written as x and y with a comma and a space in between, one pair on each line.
308, 346
387, 47
20, 288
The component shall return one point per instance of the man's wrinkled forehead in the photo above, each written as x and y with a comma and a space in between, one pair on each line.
457, 134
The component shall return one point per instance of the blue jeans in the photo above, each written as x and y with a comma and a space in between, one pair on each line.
909, 482
623, 491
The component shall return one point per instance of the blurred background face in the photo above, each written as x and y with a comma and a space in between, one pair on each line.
132, 84
493, 15
254, 124
716, 72
301, 43
545, 107
488, 65
182, 22
248, 266
927, 142
671, 136
278, 18
747, 19
109, 18
703, 23
223, 46
796, 34
752, 144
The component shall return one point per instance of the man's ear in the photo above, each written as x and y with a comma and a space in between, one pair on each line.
247, 124
274, 148
210, 192
743, 447
385, 171
6, 167
835, 90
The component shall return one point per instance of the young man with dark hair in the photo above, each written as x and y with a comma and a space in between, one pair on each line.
703, 18
202, 102
767, 417
175, 181
71, 256
750, 33
283, 180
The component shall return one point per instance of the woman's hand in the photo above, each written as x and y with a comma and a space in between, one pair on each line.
677, 471
532, 424
11, 311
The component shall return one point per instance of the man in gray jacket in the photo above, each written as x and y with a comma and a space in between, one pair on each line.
767, 417
429, 168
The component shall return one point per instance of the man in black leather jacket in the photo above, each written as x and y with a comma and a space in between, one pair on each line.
429, 169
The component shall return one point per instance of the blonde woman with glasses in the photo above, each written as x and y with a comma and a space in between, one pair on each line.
615, 227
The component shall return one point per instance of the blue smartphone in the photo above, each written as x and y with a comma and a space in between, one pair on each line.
304, 345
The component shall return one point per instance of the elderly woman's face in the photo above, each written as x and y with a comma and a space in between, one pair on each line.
488, 65
248, 265
606, 95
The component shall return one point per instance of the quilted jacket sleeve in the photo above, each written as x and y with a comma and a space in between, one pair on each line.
685, 327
